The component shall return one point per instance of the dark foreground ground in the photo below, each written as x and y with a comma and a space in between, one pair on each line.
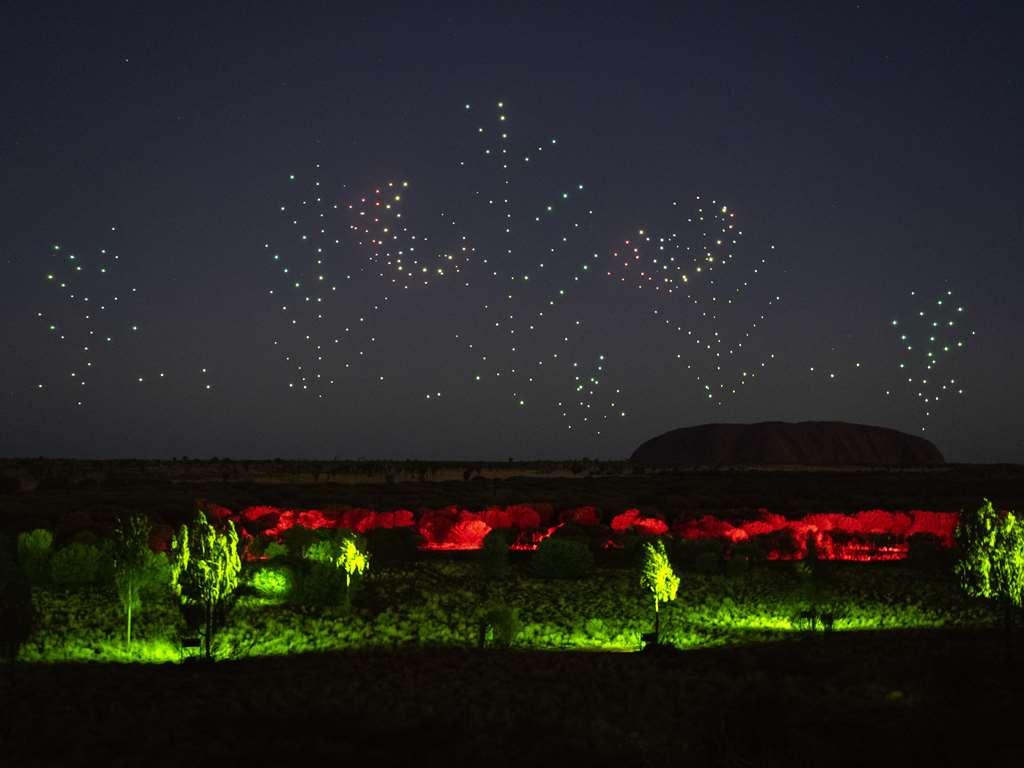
915, 698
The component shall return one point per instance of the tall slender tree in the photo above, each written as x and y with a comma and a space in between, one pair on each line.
132, 564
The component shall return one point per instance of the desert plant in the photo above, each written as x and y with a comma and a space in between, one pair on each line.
494, 556
392, 546
927, 552
136, 567
562, 559
340, 555
273, 581
7, 559
499, 624
76, 566
657, 576
16, 618
991, 563
35, 550
275, 549
204, 573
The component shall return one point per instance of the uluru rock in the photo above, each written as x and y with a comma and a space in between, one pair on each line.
808, 443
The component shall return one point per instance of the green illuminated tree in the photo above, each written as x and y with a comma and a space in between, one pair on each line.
991, 563
343, 554
133, 564
656, 575
204, 572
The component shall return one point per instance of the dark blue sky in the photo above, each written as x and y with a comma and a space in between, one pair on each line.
877, 149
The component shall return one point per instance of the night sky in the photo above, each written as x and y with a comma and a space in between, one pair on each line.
393, 232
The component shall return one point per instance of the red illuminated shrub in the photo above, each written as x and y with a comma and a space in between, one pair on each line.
588, 516
867, 535
631, 519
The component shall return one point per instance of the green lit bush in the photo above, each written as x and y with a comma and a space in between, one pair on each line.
274, 550
991, 563
333, 563
273, 582
562, 559
78, 566
435, 606
35, 550
298, 539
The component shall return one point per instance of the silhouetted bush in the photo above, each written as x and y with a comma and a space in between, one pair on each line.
737, 564
562, 559
494, 555
7, 561
35, 550
751, 550
499, 624
782, 542
710, 563
17, 617
298, 539
392, 546
926, 551
701, 555
318, 584
78, 566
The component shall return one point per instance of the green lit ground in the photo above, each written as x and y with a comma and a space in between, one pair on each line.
436, 602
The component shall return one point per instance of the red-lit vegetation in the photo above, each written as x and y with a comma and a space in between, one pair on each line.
872, 535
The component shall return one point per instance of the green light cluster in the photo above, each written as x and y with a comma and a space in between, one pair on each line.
991, 563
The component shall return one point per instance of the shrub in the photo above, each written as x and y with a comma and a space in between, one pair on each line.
298, 539
136, 568
494, 555
737, 565
573, 531
926, 551
35, 549
332, 563
76, 566
318, 584
562, 559
991, 563
748, 550
17, 617
657, 576
702, 555
6, 557
274, 582
499, 624
204, 574
709, 563
392, 546
275, 549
